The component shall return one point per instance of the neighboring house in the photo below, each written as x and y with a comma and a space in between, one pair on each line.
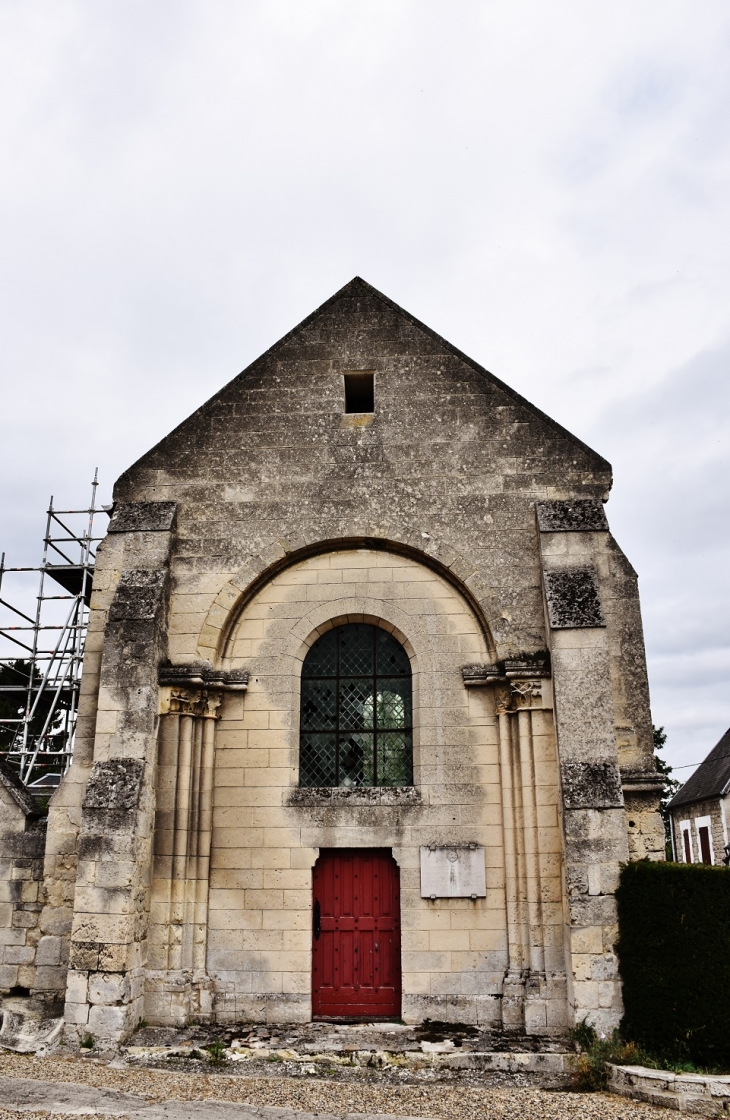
700, 810
364, 727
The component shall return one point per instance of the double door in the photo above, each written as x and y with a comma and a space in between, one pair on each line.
356, 935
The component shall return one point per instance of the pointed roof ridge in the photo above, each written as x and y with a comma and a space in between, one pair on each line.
710, 779
356, 283
18, 791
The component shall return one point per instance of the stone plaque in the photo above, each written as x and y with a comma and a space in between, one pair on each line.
453, 872
580, 515
572, 598
591, 785
115, 784
138, 595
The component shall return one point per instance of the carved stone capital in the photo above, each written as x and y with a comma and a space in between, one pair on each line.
202, 702
519, 682
513, 696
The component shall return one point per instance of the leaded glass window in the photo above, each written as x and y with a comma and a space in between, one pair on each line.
356, 725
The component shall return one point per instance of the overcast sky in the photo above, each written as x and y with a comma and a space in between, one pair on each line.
547, 185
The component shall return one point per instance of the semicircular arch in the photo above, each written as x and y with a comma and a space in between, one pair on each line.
238, 592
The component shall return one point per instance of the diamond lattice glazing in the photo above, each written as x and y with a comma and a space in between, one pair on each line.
317, 755
356, 712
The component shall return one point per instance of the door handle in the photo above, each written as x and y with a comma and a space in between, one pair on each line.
317, 920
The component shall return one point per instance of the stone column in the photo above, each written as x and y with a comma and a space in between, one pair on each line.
513, 988
534, 991
177, 986
529, 1001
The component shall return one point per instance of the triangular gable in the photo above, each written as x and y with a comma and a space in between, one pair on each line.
359, 286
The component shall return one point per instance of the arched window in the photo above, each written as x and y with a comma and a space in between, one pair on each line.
356, 724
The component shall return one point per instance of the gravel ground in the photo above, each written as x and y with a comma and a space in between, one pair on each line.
443, 1102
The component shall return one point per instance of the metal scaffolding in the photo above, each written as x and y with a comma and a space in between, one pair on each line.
42, 647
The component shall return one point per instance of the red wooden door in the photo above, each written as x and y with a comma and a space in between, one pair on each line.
356, 930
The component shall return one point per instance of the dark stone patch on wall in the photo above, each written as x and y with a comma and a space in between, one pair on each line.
143, 517
93, 846
115, 784
84, 956
138, 596
591, 785
572, 598
317, 796
579, 515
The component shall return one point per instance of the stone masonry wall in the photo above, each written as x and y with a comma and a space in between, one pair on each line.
22, 841
267, 832
21, 884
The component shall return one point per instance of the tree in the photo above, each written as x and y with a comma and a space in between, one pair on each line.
670, 785
13, 698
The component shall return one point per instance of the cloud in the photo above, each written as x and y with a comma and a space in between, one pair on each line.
546, 185
670, 448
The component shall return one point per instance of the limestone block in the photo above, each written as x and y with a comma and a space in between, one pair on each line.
50, 979
77, 987
114, 875
109, 1022
49, 950
12, 936
587, 940
298, 983
101, 902
108, 928
26, 918
84, 955
108, 988
18, 954
76, 1014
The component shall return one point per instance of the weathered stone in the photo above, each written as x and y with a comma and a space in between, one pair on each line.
115, 784
579, 515
591, 785
572, 598
138, 596
49, 951
142, 517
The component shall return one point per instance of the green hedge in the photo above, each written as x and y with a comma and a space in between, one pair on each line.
674, 958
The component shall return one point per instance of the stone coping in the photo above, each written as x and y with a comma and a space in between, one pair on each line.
700, 1094
556, 1063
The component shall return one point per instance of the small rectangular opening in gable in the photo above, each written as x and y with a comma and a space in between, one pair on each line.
360, 391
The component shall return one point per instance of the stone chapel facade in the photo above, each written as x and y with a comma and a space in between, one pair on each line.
365, 727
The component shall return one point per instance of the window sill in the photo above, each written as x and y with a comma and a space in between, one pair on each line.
344, 795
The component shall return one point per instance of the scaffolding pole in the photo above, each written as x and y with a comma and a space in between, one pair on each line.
42, 647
